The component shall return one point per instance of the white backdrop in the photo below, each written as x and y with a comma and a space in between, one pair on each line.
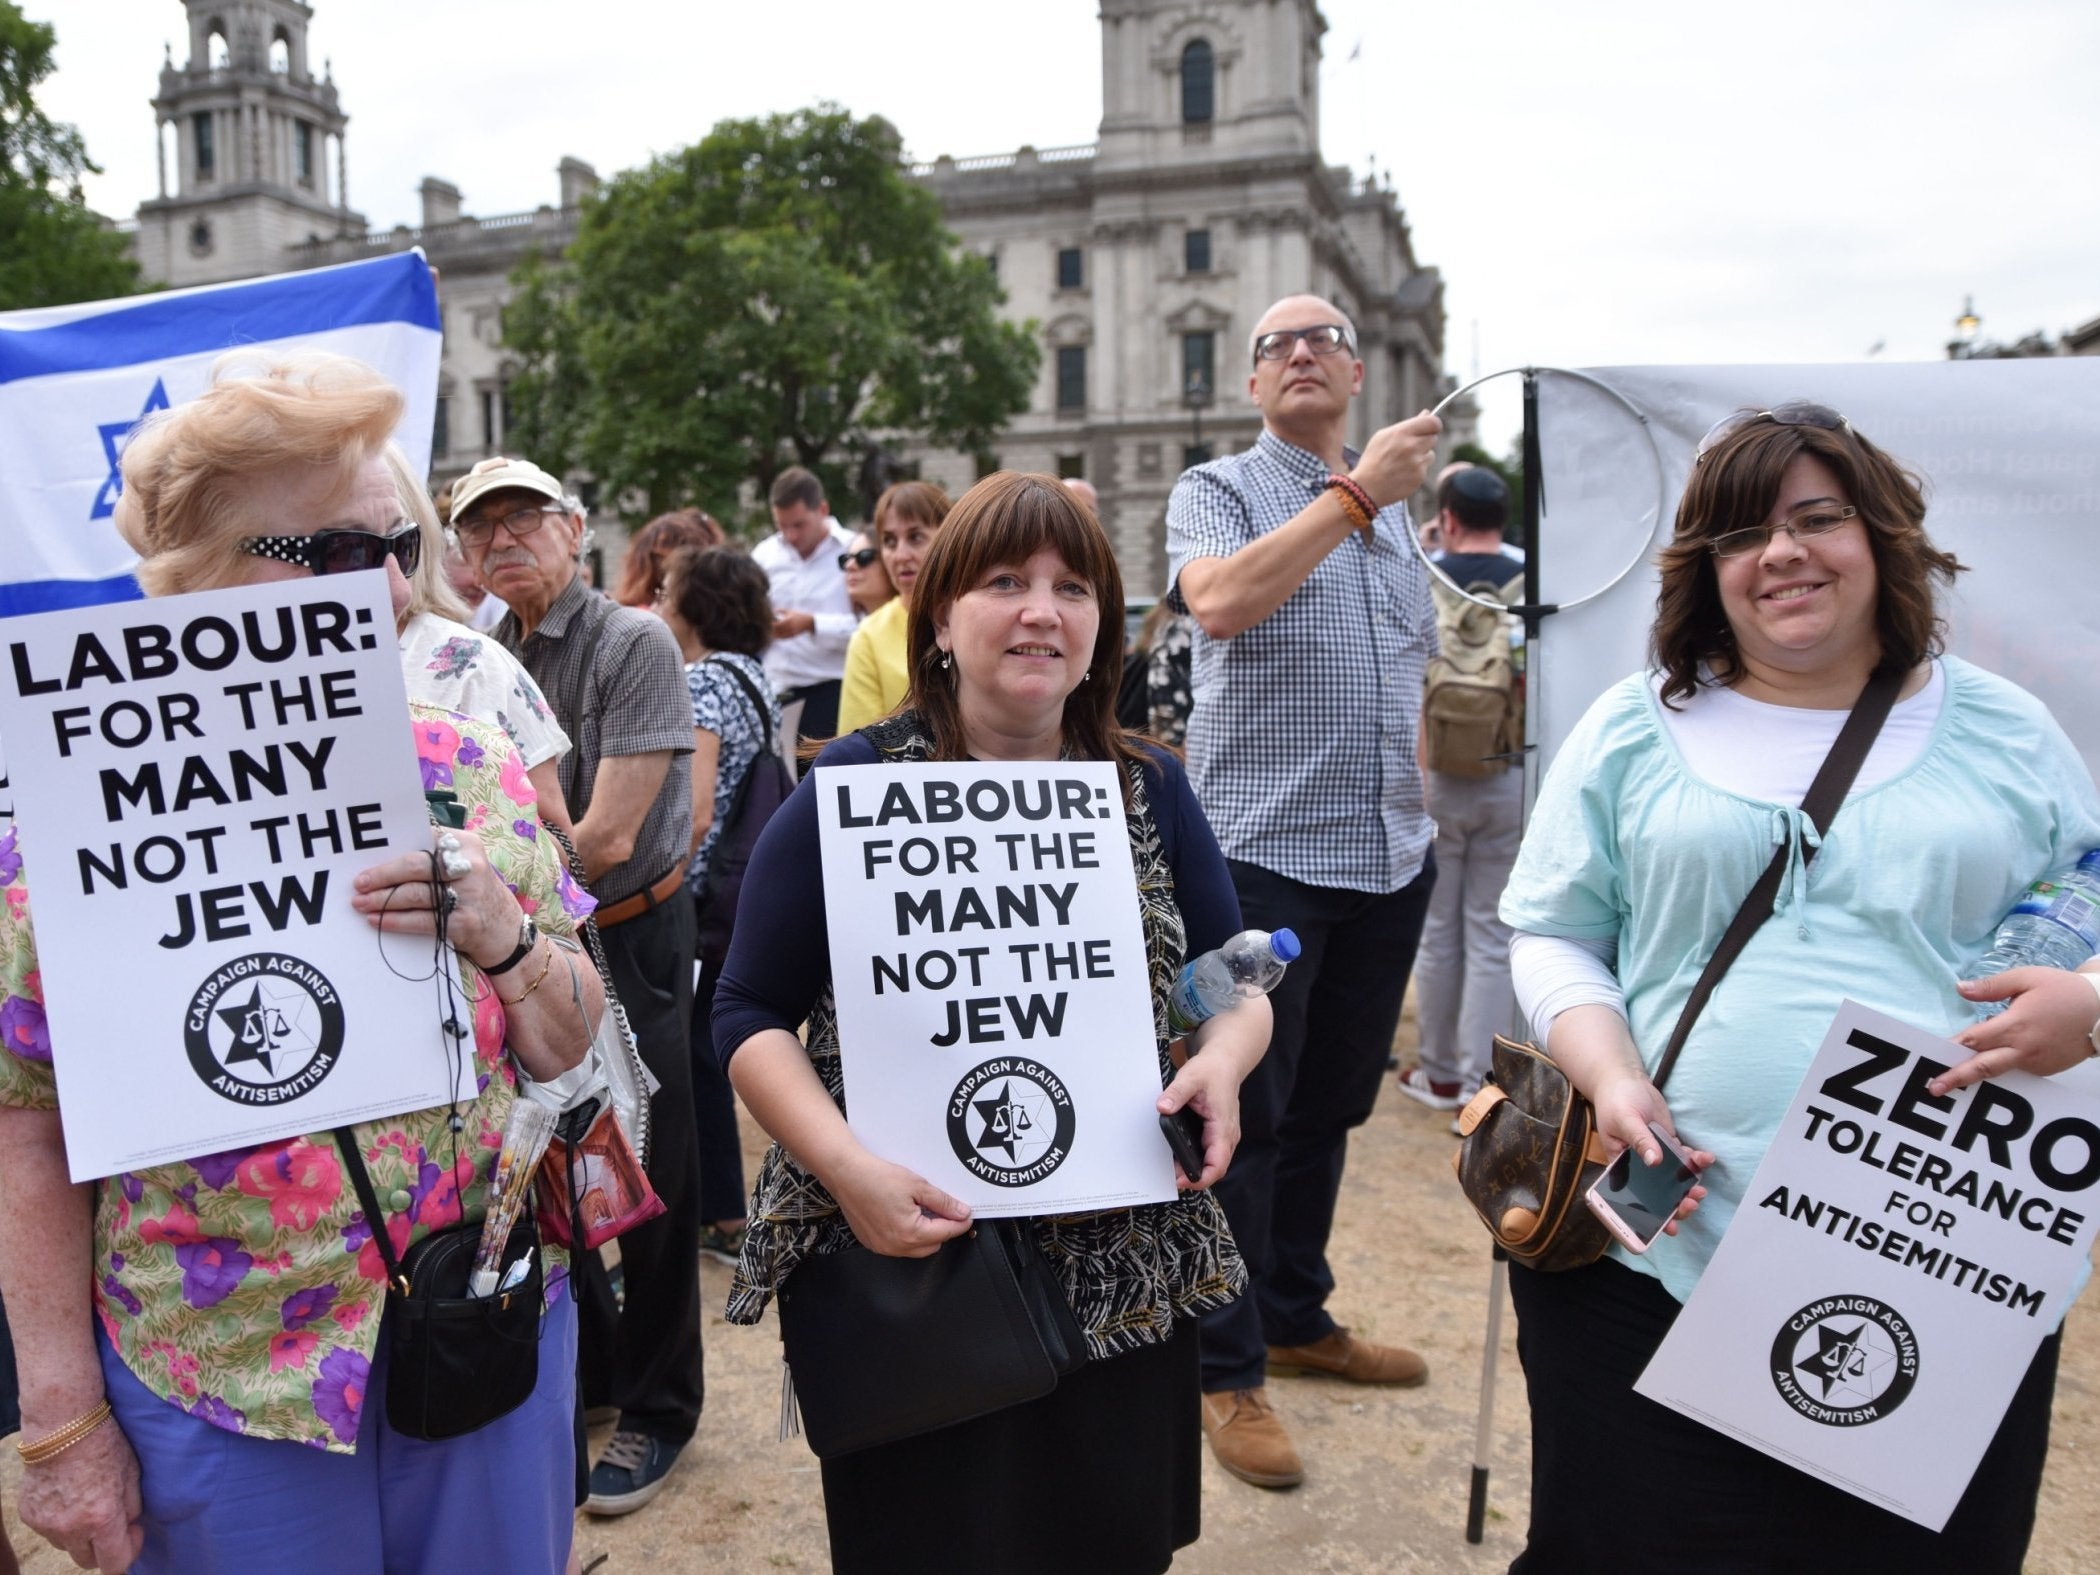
2009, 452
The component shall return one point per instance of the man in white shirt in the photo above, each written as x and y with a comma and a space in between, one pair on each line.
812, 616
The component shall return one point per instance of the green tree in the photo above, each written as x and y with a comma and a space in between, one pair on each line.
53, 248
778, 294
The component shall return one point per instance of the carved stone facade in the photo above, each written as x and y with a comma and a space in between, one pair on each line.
1143, 259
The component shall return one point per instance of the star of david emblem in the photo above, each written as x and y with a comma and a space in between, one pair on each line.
113, 434
1008, 1122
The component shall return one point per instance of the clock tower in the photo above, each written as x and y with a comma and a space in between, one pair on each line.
256, 144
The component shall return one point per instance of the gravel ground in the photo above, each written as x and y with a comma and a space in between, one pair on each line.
1387, 1473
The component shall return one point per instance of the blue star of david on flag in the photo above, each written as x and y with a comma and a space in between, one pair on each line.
75, 381
113, 434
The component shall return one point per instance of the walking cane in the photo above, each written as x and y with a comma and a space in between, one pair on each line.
1476, 1503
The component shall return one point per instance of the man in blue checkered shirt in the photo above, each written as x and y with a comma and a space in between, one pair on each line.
1314, 622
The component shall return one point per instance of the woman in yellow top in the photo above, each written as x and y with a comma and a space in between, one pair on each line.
906, 517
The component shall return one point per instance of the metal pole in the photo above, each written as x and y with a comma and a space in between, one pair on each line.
1483, 1429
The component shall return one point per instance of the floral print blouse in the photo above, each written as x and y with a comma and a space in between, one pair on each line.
245, 1287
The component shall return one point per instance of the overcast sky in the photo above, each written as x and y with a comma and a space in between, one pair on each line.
1600, 183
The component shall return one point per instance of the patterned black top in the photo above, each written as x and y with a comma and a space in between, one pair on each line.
1128, 1272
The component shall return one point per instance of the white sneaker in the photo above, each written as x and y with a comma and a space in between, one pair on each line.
1417, 1085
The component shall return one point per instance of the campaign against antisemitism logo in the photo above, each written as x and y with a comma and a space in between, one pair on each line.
1845, 1360
1010, 1121
263, 1029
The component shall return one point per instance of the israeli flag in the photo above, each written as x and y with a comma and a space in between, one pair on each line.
75, 380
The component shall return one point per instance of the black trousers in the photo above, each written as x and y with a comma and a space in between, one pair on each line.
1336, 1010
722, 1192
645, 1357
820, 709
1623, 1486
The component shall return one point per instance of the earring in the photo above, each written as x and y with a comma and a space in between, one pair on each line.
1088, 679
947, 660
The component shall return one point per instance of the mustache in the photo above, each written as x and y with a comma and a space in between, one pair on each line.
509, 557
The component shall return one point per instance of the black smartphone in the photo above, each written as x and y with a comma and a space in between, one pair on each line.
1184, 1130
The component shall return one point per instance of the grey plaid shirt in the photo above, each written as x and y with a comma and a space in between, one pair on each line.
1301, 744
633, 701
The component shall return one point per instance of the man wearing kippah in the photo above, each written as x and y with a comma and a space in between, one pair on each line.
1462, 998
1313, 624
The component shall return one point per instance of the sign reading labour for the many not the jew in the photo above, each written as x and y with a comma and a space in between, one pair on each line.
197, 781
995, 1014
1895, 1263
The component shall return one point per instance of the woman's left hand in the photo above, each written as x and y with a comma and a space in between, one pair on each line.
2043, 1031
403, 896
1209, 1085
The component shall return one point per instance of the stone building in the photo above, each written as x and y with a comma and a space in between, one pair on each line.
1143, 258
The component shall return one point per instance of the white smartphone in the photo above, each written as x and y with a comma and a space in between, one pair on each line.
1635, 1200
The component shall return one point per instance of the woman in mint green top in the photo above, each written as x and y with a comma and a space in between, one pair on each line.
1797, 568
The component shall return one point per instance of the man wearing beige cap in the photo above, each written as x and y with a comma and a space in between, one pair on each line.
617, 685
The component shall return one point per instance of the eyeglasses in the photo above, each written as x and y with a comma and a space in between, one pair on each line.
862, 559
1796, 414
519, 522
1321, 339
1818, 519
341, 551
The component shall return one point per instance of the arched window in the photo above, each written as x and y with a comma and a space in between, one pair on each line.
280, 53
1198, 83
216, 55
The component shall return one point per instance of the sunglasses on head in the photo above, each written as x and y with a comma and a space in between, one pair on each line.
862, 559
341, 551
1799, 413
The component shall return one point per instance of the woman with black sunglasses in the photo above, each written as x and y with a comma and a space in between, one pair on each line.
202, 1361
867, 581
1798, 570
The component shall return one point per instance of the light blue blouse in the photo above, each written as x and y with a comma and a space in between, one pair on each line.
1904, 895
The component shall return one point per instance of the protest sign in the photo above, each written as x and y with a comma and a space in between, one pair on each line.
1896, 1261
198, 780
994, 1001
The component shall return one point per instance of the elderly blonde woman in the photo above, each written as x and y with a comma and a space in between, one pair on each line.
209, 1332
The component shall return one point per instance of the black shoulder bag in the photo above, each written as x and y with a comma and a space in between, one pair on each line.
1529, 1146
455, 1362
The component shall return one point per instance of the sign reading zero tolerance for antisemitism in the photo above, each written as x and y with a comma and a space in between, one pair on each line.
1893, 1266
197, 780
988, 963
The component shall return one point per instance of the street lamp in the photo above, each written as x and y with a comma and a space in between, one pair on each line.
1195, 393
1965, 326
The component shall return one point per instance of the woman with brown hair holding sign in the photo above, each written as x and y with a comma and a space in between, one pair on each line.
1015, 644
1798, 582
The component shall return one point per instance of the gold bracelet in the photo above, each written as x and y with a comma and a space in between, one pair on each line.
52, 1445
545, 967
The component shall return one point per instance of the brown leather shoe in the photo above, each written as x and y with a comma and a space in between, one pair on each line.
1249, 1440
1342, 1355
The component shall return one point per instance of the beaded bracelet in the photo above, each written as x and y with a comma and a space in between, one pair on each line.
1355, 502
538, 979
52, 1445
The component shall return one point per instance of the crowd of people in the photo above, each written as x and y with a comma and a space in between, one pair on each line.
1279, 770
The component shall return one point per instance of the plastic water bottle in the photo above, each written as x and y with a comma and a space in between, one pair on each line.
2055, 924
1249, 964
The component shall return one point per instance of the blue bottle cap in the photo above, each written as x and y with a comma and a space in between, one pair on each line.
2090, 863
1284, 945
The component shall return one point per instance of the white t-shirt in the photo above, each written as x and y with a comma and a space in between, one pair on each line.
448, 664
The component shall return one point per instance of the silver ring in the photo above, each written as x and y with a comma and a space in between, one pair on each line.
453, 862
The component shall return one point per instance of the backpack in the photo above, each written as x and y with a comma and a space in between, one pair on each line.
1472, 689
765, 788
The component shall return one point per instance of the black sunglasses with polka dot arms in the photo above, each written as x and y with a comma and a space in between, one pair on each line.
341, 551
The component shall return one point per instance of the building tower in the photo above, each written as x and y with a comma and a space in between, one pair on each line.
250, 128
